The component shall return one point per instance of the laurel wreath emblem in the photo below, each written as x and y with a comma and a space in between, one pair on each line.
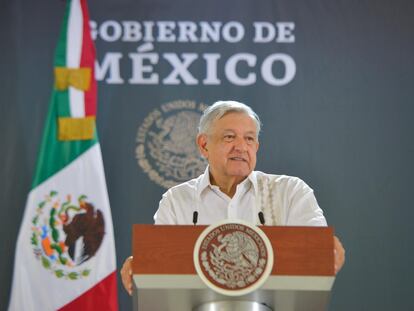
166, 148
233, 257
48, 237
234, 261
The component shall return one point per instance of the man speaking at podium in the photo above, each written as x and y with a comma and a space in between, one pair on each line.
228, 137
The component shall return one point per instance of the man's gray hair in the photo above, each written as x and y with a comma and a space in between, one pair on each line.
219, 109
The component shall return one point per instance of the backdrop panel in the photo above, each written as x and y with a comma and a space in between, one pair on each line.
332, 82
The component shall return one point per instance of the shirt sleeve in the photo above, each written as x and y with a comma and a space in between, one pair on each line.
303, 209
165, 214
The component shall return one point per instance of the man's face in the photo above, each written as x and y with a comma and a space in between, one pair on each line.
230, 147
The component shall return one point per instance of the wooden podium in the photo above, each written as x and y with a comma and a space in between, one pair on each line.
165, 278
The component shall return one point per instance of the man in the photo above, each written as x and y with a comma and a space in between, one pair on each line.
230, 188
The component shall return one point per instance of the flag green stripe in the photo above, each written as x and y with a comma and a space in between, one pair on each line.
54, 155
62, 101
60, 52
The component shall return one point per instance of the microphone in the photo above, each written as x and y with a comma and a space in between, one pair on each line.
261, 218
195, 217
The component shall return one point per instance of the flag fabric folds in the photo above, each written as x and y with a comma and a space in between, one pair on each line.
65, 253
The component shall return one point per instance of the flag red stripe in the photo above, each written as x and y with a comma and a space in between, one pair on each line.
88, 60
103, 296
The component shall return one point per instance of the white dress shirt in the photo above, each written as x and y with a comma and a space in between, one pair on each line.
284, 200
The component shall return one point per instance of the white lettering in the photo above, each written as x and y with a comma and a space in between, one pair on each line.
139, 68
110, 63
132, 31
110, 31
165, 31
180, 68
240, 69
94, 32
211, 69
285, 32
148, 28
267, 69
231, 72
263, 32
210, 31
238, 32
187, 32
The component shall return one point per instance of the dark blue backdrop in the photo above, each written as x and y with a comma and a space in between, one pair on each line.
343, 122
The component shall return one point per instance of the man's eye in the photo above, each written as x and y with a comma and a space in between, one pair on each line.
228, 137
250, 139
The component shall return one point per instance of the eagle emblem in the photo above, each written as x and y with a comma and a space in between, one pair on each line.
66, 234
166, 148
233, 257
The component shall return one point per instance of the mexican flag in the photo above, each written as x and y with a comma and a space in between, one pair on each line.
65, 253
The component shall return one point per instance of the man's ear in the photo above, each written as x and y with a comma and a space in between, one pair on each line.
201, 141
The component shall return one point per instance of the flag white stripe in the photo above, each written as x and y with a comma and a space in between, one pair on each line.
32, 283
73, 56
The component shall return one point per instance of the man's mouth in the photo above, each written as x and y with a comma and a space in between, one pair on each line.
238, 159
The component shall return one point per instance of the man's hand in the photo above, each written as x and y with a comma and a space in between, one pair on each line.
339, 254
126, 275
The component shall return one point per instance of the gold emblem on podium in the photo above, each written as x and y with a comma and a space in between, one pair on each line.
233, 257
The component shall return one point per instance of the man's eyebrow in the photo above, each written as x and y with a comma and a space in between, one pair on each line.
233, 131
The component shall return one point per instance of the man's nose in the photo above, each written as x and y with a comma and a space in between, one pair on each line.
240, 144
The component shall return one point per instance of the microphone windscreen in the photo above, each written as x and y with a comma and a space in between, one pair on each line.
261, 218
195, 217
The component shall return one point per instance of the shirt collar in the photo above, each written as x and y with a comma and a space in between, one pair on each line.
253, 179
204, 181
